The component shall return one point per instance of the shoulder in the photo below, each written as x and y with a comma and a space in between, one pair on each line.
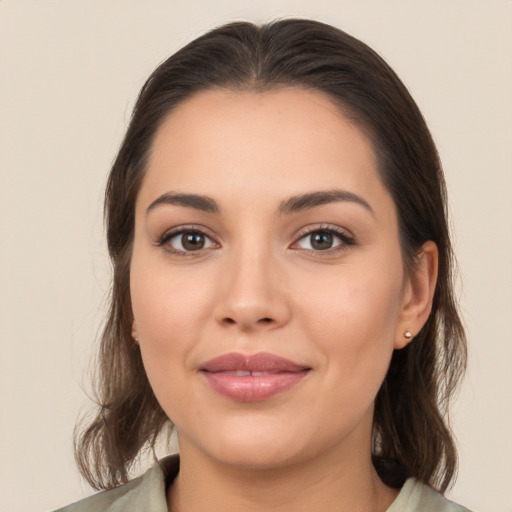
418, 497
104, 500
147, 492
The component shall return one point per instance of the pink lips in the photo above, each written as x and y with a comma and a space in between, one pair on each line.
252, 378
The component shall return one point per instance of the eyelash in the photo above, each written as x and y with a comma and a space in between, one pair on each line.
345, 239
164, 240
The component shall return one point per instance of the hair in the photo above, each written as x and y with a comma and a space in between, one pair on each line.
411, 436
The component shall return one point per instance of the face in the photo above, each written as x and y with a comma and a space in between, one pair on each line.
267, 282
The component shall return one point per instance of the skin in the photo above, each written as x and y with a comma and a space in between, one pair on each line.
259, 285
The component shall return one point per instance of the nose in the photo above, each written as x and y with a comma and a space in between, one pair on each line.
252, 295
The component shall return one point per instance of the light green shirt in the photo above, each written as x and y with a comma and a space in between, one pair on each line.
148, 494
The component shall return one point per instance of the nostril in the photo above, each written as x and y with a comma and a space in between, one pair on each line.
244, 323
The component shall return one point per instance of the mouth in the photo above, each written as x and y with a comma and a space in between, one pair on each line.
252, 378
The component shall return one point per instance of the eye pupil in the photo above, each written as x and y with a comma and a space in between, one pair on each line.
192, 241
321, 240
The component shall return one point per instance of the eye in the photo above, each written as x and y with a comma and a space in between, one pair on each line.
186, 241
324, 240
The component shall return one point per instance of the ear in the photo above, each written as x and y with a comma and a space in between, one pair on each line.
418, 294
135, 335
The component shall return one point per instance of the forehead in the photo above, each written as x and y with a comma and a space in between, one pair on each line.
284, 141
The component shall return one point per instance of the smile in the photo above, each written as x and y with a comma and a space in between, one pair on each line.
252, 378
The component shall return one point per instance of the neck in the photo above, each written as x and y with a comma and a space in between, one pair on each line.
327, 482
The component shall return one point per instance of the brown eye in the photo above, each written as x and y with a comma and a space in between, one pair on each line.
321, 240
192, 241
324, 239
187, 241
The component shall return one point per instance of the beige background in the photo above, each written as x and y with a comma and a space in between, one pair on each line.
70, 71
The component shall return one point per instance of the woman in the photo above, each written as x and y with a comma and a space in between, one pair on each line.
282, 285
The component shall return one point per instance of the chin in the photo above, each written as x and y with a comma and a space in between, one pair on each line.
252, 445
258, 456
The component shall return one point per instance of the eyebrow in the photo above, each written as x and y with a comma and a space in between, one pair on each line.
315, 199
199, 202
292, 205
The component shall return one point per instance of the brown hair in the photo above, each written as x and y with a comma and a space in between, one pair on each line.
410, 434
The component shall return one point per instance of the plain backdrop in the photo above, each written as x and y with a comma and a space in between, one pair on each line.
70, 71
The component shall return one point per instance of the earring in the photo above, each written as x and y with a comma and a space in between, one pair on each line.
408, 335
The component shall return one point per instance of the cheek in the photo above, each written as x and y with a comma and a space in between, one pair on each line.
166, 306
170, 314
353, 323
361, 303
168, 321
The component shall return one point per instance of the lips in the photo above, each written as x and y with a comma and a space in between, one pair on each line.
252, 378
